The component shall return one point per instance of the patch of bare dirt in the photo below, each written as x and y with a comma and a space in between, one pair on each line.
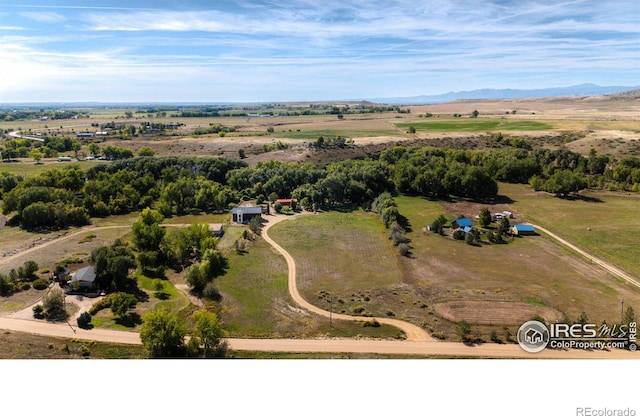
494, 312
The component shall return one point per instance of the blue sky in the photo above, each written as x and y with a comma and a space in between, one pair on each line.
273, 50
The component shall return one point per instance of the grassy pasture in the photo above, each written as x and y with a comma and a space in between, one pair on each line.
612, 218
532, 270
256, 301
347, 258
476, 125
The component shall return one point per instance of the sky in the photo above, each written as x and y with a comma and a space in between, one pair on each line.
308, 50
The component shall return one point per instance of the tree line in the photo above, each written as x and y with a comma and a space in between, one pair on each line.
179, 185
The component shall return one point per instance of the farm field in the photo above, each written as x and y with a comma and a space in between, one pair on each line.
444, 280
477, 125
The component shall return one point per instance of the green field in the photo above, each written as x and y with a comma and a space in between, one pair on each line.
476, 125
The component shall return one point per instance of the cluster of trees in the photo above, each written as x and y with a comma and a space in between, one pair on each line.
438, 172
50, 114
338, 142
177, 185
163, 335
50, 147
49, 200
213, 129
387, 209
191, 249
20, 279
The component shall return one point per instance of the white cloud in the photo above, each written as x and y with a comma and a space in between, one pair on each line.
44, 17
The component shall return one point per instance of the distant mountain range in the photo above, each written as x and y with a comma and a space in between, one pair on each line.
581, 90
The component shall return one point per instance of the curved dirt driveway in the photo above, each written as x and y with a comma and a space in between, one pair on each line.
413, 332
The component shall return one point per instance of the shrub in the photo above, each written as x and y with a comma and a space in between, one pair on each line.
211, 292
25, 286
372, 323
403, 249
84, 351
38, 311
41, 284
84, 320
103, 303
358, 309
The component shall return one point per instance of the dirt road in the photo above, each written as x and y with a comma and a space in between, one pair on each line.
608, 267
416, 348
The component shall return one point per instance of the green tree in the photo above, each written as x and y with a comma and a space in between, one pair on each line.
475, 114
147, 233
94, 149
36, 155
162, 334
208, 334
241, 153
84, 320
503, 227
53, 304
463, 330
112, 264
146, 151
255, 225
194, 277
121, 303
484, 217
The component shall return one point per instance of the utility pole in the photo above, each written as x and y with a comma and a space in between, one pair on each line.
330, 310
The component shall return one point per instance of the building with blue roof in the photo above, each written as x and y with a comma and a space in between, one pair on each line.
523, 229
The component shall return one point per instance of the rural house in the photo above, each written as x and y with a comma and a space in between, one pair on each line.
85, 278
465, 223
242, 215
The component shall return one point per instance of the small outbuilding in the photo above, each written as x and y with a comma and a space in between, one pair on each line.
216, 229
523, 229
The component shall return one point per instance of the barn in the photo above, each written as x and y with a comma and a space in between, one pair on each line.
242, 215
523, 229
